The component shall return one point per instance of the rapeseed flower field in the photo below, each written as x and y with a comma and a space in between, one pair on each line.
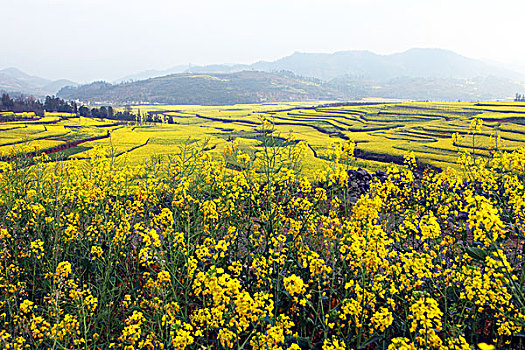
383, 132
184, 251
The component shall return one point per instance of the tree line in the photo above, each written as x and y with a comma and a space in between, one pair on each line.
26, 104
519, 98
22, 103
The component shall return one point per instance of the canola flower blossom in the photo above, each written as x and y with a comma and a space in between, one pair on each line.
190, 253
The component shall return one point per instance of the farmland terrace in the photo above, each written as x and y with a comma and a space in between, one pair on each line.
382, 132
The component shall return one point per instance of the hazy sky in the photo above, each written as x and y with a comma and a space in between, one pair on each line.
84, 40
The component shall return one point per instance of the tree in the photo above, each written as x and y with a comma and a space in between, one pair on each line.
84, 111
7, 102
103, 112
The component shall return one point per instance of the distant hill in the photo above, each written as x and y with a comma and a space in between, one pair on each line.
14, 80
440, 89
256, 87
207, 89
415, 63
419, 74
151, 74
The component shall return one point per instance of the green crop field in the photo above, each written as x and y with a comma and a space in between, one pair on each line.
383, 132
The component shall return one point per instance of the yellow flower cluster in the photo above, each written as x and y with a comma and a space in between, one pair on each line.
246, 252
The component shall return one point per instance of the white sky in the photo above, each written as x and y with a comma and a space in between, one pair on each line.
84, 40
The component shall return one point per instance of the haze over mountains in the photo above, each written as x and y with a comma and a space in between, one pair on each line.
14, 80
420, 63
432, 74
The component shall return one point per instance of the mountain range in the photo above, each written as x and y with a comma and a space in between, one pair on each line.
433, 74
14, 80
420, 63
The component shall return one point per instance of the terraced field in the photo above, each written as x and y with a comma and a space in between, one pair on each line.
383, 132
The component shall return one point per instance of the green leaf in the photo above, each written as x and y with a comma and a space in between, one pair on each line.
476, 253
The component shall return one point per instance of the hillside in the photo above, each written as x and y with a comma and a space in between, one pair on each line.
256, 87
420, 63
416, 74
417, 63
437, 89
151, 73
207, 89
14, 80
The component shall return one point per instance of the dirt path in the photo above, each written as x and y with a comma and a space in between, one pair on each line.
55, 149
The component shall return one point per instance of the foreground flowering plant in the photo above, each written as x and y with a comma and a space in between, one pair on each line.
246, 252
